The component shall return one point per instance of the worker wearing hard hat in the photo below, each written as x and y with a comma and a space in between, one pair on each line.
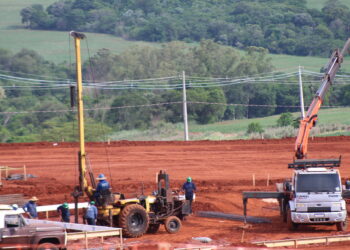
102, 192
91, 213
63, 210
30, 208
102, 184
189, 187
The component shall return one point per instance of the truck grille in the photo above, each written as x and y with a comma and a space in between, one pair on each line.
319, 219
319, 209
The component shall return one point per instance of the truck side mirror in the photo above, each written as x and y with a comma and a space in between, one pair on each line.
347, 184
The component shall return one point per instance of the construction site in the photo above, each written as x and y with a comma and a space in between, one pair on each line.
221, 171
144, 206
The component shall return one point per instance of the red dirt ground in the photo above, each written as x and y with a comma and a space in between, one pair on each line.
220, 169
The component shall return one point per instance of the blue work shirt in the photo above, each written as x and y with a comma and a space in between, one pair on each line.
102, 186
64, 211
189, 188
30, 207
91, 212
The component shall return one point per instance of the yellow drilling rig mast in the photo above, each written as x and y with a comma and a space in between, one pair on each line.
135, 216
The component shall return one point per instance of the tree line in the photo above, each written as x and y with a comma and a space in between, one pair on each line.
208, 59
281, 26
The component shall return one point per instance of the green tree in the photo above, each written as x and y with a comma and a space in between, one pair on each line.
286, 119
255, 127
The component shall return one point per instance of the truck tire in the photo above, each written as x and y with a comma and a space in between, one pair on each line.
153, 228
291, 225
47, 245
172, 224
342, 226
133, 220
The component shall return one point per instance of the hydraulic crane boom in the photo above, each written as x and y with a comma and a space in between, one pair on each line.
310, 119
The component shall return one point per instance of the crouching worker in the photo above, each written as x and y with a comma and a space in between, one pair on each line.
91, 213
30, 208
63, 210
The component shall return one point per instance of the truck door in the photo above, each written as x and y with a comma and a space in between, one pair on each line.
15, 234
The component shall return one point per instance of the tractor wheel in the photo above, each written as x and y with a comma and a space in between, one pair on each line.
134, 220
291, 225
342, 226
153, 228
47, 245
172, 224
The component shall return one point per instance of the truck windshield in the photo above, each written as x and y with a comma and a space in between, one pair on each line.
318, 183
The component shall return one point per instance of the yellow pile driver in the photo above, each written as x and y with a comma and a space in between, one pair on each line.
135, 216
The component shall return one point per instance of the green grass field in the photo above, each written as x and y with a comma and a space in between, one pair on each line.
331, 122
54, 45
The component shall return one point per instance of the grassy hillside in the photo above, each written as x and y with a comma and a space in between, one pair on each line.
54, 45
331, 122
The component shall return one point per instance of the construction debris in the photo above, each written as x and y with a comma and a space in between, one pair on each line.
219, 215
202, 239
20, 177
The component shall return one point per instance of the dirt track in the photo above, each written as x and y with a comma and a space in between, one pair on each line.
221, 170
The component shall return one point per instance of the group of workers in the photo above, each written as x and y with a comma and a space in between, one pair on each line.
31, 211
91, 212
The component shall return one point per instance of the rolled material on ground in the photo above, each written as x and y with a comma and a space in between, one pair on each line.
237, 217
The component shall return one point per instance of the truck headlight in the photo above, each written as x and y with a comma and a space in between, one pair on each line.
301, 205
336, 206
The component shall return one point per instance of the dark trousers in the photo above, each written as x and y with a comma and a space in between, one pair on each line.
91, 221
189, 197
66, 219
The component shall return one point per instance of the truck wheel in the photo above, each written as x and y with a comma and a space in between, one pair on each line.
133, 220
153, 228
172, 224
291, 225
342, 226
47, 245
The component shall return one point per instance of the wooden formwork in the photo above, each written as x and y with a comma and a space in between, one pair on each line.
304, 241
5, 172
96, 234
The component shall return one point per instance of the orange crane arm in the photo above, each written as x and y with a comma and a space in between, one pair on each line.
310, 119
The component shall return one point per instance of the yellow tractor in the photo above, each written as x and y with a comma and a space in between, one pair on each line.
135, 216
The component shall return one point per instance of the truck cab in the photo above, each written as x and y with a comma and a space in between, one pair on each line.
317, 198
16, 233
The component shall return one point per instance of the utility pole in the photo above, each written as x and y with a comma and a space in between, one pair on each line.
184, 103
301, 95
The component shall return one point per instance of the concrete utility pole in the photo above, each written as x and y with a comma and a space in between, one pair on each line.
184, 103
301, 95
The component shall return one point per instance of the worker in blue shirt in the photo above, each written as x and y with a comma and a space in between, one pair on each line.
102, 192
189, 187
63, 210
103, 184
91, 213
30, 208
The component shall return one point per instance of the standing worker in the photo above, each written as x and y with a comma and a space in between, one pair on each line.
63, 210
30, 208
189, 187
91, 213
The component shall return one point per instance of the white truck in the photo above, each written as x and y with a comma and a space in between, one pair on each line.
315, 195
